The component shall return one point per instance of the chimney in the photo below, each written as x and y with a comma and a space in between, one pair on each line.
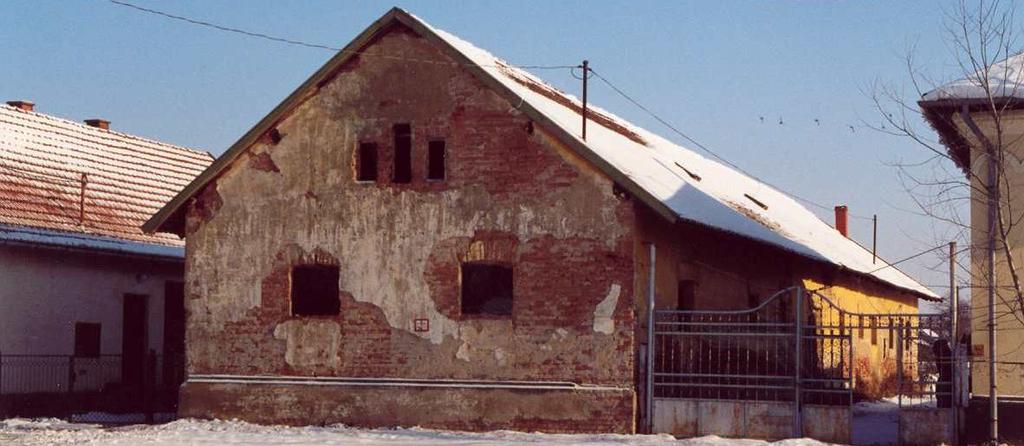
98, 123
841, 219
23, 105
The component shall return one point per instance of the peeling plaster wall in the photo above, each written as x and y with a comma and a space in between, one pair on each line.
512, 195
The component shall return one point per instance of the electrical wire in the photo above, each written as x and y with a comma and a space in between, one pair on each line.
295, 42
706, 148
288, 41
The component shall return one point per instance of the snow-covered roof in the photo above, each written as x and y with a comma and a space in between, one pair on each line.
674, 180
44, 162
1005, 80
694, 187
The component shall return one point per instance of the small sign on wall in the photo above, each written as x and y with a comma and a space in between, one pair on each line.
978, 350
421, 325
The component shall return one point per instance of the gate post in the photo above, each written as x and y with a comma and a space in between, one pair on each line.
798, 423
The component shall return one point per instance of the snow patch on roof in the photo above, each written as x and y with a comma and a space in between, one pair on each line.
696, 188
1005, 80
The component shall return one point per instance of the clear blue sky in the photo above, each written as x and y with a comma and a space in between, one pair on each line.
712, 68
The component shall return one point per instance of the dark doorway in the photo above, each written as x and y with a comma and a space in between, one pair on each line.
174, 333
133, 339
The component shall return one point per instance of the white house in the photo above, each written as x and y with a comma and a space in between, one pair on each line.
81, 282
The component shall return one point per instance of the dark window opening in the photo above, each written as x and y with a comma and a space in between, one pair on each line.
435, 160
403, 153
486, 289
686, 295
366, 162
87, 339
315, 290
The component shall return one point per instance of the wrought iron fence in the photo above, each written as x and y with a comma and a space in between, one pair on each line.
801, 346
99, 389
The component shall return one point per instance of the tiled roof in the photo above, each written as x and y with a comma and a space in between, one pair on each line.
63, 176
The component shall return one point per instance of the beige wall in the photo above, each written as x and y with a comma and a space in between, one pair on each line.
1010, 330
47, 290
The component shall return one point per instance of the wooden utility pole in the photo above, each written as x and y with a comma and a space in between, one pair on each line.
586, 74
874, 239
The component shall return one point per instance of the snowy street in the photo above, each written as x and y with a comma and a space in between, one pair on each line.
194, 432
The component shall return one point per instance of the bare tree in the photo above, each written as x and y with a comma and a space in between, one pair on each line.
981, 35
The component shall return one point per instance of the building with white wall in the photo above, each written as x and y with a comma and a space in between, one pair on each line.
80, 279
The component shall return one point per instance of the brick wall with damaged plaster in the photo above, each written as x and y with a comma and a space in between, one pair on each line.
512, 195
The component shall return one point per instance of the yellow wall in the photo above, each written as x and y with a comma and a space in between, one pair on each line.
1010, 329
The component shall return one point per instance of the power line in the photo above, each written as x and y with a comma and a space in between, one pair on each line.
706, 148
319, 46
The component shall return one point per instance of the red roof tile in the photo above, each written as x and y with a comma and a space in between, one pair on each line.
48, 165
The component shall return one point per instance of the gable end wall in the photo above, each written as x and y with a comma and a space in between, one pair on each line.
513, 196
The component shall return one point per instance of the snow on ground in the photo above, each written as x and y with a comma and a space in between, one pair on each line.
196, 432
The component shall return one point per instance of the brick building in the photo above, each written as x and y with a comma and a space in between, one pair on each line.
419, 235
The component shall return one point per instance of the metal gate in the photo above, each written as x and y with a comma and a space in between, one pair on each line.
786, 368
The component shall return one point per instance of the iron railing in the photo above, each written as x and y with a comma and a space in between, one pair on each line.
99, 389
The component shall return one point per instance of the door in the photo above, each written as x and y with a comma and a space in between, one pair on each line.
133, 339
174, 333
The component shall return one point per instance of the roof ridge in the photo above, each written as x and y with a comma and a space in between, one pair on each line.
97, 131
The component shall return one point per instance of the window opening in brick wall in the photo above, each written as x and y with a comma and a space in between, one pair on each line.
486, 289
435, 160
403, 153
366, 162
315, 290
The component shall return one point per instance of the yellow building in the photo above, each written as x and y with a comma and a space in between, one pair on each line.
962, 114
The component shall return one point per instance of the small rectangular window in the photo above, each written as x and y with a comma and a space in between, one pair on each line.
686, 295
366, 162
486, 289
403, 153
315, 290
435, 160
87, 339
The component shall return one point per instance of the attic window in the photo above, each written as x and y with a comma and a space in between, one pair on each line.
688, 172
403, 153
757, 202
315, 290
435, 160
366, 162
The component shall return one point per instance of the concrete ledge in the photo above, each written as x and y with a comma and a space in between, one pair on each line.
926, 426
764, 420
567, 410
